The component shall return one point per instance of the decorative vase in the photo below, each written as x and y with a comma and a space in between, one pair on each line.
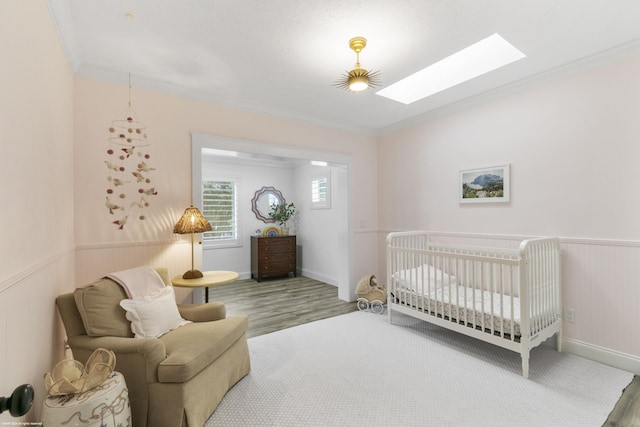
284, 231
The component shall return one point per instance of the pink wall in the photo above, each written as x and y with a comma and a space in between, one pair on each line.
36, 137
573, 149
573, 146
170, 120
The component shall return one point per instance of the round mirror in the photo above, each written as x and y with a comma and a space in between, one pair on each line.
263, 200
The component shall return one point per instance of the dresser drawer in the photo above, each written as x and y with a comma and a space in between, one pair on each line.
276, 269
277, 257
276, 242
274, 249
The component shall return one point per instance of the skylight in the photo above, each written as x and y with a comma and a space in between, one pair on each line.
480, 58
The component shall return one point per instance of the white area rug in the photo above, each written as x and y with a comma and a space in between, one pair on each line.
359, 370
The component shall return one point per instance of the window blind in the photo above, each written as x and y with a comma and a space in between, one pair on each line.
219, 208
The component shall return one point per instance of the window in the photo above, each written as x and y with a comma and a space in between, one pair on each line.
321, 191
219, 207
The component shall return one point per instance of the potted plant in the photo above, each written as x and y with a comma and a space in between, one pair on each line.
283, 213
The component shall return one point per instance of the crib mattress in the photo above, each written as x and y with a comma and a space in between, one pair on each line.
480, 308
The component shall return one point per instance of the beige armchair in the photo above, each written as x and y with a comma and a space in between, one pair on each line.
176, 379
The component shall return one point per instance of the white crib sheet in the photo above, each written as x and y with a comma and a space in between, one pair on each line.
463, 304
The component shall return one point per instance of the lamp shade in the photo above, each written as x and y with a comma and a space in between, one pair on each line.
192, 221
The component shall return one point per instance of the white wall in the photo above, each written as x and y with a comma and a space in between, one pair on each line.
323, 232
573, 144
37, 248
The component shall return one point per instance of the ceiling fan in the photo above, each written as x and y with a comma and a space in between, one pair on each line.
358, 79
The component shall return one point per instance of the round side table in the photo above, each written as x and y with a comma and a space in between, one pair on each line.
210, 278
105, 405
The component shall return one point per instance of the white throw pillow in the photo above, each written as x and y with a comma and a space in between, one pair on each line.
153, 315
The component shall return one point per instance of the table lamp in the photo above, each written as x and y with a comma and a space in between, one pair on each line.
192, 222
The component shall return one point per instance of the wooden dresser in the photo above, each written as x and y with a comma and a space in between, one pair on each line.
272, 256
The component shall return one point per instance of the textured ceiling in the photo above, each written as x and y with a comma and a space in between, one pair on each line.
283, 56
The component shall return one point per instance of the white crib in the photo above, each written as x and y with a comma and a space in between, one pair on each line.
507, 297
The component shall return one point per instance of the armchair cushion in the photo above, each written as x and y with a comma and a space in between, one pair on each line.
203, 312
193, 347
98, 305
153, 315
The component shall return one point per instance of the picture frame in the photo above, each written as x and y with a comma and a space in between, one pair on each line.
485, 185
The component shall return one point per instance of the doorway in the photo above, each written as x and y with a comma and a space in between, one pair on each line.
326, 235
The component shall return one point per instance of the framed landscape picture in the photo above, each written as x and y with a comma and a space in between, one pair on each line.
484, 185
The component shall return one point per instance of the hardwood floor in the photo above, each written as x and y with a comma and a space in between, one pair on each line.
275, 304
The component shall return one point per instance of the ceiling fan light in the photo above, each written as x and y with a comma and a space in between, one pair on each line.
358, 79
358, 83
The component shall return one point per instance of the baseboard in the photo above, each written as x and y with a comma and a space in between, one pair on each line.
243, 275
602, 355
318, 276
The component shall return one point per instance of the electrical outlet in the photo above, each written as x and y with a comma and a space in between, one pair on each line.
570, 315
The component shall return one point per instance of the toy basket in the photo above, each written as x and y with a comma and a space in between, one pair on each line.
70, 376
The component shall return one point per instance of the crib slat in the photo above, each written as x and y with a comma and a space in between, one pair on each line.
501, 293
